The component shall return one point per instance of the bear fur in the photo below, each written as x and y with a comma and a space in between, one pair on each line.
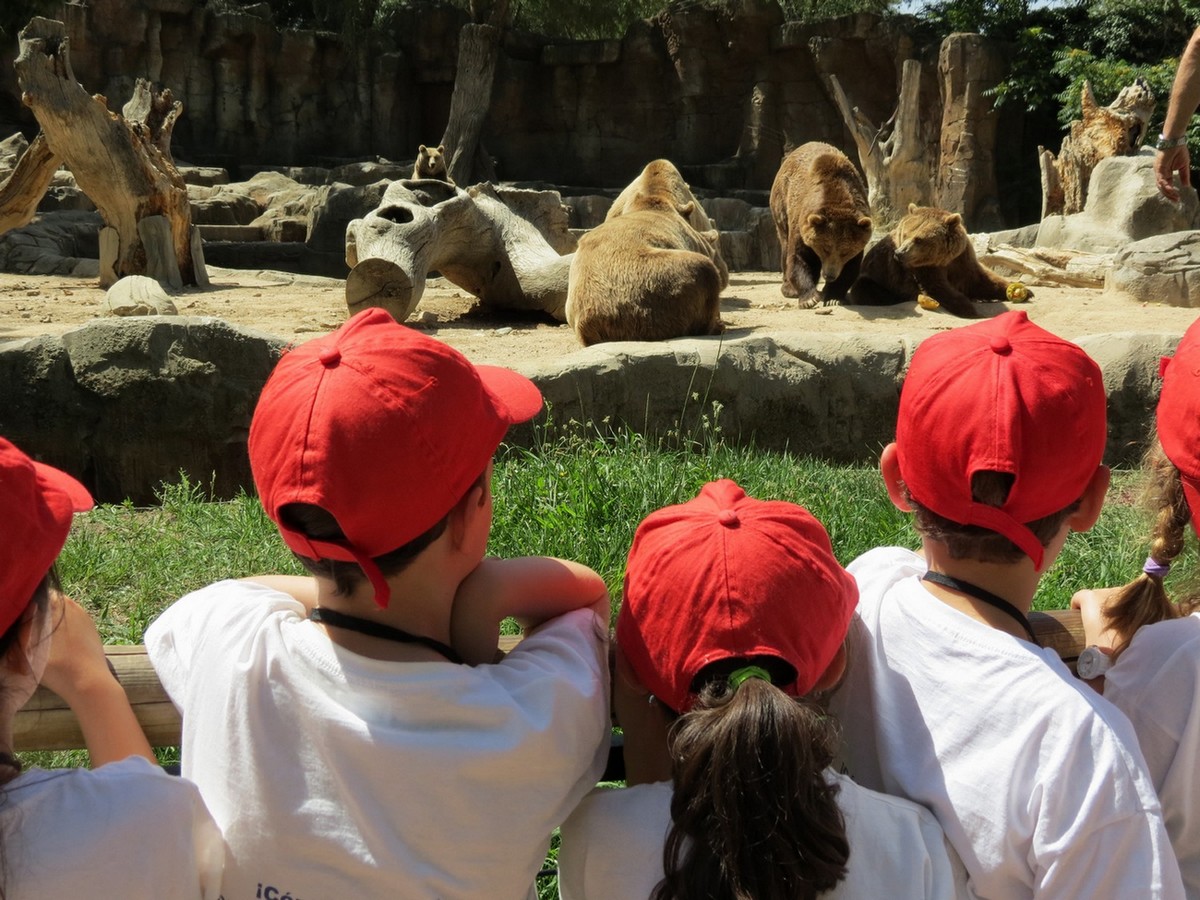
431, 163
647, 272
928, 252
819, 205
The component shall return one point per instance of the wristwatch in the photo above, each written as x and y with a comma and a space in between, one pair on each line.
1166, 143
1092, 663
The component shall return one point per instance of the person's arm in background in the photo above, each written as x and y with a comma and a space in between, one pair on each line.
1185, 98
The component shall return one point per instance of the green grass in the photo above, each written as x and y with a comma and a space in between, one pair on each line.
578, 496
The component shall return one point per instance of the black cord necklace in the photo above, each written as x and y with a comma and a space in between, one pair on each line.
377, 629
974, 590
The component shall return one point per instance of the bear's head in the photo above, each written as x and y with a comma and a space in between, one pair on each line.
430, 161
929, 236
836, 239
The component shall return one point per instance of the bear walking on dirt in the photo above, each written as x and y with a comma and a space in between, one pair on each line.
823, 220
431, 163
928, 252
652, 270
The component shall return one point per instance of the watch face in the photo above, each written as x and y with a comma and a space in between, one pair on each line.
1092, 663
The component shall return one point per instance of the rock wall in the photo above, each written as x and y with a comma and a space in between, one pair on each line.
127, 404
720, 93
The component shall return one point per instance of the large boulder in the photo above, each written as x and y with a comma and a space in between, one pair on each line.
1161, 269
125, 405
1123, 205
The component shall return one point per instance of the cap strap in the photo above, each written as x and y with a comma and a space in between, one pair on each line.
737, 676
1002, 523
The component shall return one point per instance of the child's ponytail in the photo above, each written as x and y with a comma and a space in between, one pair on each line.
1144, 600
752, 814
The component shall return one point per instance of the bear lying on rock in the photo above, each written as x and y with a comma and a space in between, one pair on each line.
819, 205
928, 252
652, 270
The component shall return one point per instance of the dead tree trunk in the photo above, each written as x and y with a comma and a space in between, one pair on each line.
478, 49
24, 188
124, 165
893, 156
1114, 130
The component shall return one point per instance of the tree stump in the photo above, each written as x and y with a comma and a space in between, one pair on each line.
122, 163
893, 156
1118, 129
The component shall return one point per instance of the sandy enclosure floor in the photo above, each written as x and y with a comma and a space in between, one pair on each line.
297, 308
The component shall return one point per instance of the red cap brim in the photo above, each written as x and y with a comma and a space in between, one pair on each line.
55, 479
519, 396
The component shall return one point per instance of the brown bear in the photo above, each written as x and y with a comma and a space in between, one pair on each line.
928, 252
647, 272
823, 220
431, 163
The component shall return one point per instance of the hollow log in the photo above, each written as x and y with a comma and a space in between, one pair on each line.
122, 163
472, 237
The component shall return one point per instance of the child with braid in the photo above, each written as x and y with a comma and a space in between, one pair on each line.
733, 622
1144, 649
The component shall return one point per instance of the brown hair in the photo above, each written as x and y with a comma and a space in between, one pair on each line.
976, 542
1144, 600
319, 524
752, 813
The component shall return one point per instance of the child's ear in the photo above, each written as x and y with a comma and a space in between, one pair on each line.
889, 465
1092, 501
833, 672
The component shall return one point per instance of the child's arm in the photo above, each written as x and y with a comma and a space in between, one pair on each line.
532, 589
77, 670
1093, 608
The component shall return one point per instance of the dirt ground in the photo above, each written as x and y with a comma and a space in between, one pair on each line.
297, 308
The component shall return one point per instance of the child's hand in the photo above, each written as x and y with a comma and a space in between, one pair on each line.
77, 662
1093, 608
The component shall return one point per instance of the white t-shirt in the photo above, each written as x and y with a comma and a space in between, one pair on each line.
126, 829
1156, 682
335, 775
612, 846
1035, 778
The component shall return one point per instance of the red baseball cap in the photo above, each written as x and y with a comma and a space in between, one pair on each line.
382, 427
728, 577
1178, 414
1004, 395
37, 503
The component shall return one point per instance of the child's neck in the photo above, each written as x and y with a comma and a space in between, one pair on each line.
1015, 582
419, 606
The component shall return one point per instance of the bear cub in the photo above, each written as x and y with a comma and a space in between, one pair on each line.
431, 163
928, 252
819, 205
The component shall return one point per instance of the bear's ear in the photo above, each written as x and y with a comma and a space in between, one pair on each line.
953, 219
441, 148
712, 237
421, 149
816, 220
687, 209
864, 223
912, 207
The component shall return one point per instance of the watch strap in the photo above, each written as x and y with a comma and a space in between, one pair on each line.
1166, 143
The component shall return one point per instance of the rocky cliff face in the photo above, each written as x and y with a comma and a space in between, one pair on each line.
720, 93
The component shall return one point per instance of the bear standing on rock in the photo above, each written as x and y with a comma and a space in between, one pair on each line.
652, 270
928, 252
823, 220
